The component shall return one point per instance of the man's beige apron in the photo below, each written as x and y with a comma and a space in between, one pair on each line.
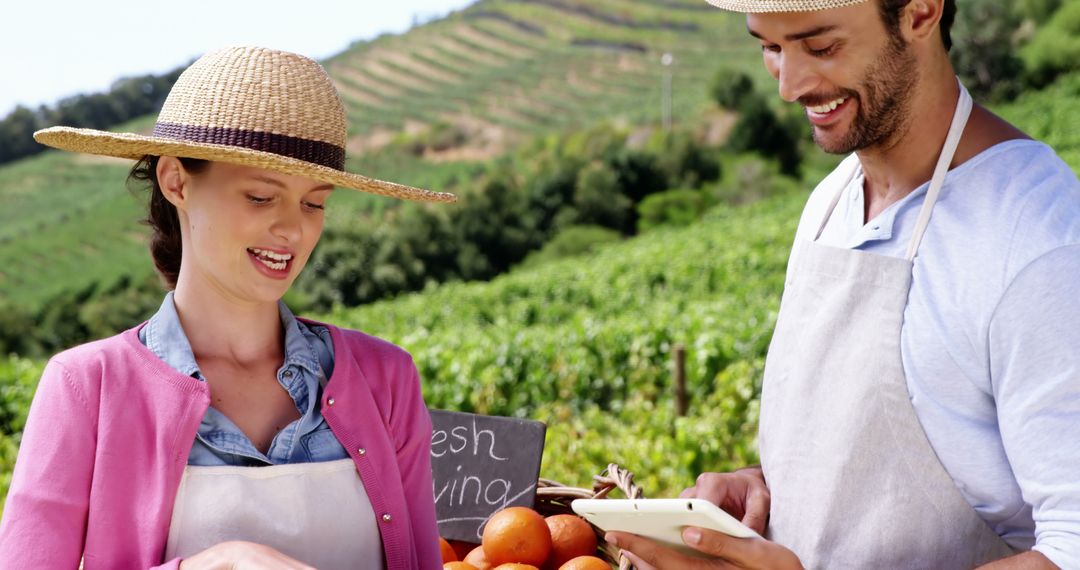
317, 513
854, 480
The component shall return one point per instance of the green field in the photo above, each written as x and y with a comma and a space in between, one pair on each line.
585, 345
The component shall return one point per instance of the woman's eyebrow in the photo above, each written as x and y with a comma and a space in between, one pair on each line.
280, 184
267, 180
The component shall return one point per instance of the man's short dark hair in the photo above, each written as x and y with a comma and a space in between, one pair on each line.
890, 12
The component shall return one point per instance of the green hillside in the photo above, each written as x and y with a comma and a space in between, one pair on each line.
495, 74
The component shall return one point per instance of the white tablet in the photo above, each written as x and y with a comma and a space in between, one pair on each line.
661, 520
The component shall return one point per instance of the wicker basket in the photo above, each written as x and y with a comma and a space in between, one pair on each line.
553, 498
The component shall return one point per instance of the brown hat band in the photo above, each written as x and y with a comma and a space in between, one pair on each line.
316, 152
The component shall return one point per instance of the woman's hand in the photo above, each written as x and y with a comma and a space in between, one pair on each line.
239, 555
743, 494
728, 552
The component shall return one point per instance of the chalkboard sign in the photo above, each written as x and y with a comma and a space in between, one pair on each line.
481, 465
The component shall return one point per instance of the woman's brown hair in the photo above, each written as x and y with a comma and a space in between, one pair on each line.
165, 244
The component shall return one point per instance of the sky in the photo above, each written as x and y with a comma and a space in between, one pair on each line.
52, 49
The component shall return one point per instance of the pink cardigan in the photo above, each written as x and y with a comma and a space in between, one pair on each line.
109, 432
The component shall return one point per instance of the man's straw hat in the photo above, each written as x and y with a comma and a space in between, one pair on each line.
757, 6
251, 106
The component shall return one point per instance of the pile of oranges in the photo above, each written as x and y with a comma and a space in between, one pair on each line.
519, 538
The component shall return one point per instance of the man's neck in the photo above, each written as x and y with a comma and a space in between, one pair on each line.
902, 164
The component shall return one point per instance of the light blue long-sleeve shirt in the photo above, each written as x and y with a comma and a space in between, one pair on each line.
991, 336
309, 361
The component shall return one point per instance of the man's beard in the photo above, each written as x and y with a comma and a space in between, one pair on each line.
885, 112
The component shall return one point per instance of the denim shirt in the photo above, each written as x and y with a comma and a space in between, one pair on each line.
309, 362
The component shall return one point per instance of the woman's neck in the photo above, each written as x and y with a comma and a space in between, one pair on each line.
242, 332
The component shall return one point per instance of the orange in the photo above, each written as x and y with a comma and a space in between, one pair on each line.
571, 537
448, 554
586, 563
517, 534
455, 565
478, 559
515, 566
462, 548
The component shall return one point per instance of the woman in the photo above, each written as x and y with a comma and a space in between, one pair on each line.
225, 432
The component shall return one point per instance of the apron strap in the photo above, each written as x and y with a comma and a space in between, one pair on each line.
952, 140
836, 199
963, 111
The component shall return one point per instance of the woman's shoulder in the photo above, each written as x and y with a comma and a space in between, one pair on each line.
356, 342
112, 350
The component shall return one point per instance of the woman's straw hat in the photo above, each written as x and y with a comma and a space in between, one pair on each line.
757, 6
251, 106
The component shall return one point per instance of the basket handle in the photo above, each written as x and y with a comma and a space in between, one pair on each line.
617, 477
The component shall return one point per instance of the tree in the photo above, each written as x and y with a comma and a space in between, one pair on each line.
983, 49
730, 88
760, 129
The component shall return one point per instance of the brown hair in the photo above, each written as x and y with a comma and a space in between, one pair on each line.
890, 12
166, 246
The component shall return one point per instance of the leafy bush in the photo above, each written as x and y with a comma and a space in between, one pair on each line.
1038, 11
730, 88
514, 207
748, 178
571, 242
599, 200
1055, 49
586, 344
666, 452
18, 380
77, 316
775, 135
671, 208
983, 49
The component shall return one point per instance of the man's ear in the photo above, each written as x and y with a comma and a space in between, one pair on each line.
173, 180
921, 20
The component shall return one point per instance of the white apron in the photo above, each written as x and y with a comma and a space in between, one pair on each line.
853, 478
317, 513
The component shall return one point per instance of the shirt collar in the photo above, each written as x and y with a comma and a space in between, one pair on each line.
165, 337
298, 350
881, 227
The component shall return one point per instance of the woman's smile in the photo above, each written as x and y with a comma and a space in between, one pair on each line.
270, 262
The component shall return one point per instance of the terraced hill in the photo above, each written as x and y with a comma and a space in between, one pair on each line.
498, 72
518, 67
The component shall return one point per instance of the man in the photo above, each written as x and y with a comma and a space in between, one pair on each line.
921, 399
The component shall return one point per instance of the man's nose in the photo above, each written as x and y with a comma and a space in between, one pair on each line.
795, 78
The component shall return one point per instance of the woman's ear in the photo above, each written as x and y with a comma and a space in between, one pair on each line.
922, 19
173, 180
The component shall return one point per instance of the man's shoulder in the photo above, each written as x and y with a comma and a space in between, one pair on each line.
1021, 196
1020, 161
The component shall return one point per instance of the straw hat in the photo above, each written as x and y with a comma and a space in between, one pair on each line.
757, 6
251, 106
